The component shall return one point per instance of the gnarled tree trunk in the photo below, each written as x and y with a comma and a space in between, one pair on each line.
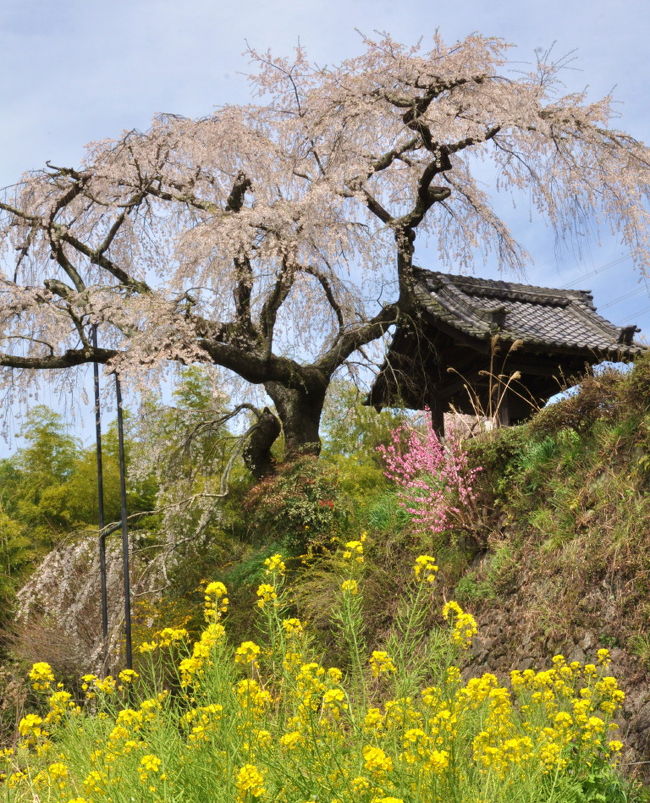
257, 453
299, 412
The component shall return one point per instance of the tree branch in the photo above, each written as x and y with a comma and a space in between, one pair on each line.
350, 340
327, 289
274, 301
68, 359
99, 258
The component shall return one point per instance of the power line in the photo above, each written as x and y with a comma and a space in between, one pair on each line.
601, 269
639, 312
615, 301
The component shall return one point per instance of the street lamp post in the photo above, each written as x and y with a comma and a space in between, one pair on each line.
125, 530
123, 515
100, 503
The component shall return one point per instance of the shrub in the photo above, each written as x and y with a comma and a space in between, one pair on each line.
298, 505
435, 482
266, 721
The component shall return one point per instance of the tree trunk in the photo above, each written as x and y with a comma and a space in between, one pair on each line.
300, 413
257, 454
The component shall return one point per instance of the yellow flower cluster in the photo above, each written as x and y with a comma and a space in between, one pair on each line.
193, 667
149, 765
247, 653
201, 721
31, 729
127, 676
167, 637
250, 782
266, 593
91, 684
464, 624
272, 724
215, 601
425, 569
252, 697
292, 627
375, 760
381, 663
60, 703
41, 676
275, 565
353, 551
350, 587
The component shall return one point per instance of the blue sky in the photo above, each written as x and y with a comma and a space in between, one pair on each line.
74, 71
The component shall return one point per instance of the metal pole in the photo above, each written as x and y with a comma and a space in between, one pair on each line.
100, 501
125, 532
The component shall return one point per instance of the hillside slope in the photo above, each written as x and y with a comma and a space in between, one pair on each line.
567, 562
552, 556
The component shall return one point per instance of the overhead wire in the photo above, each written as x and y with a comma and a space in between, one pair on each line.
639, 312
596, 271
614, 301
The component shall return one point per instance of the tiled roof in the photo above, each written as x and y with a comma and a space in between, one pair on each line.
540, 316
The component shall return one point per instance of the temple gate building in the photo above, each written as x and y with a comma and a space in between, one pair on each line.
493, 348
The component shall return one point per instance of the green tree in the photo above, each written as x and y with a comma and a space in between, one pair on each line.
351, 427
16, 554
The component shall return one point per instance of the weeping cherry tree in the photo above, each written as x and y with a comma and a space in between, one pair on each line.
277, 239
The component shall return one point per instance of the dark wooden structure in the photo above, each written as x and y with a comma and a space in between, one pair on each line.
480, 346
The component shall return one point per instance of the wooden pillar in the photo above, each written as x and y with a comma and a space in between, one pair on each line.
437, 417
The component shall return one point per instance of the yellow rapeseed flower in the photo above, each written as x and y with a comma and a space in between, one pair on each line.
130, 718
335, 674
353, 551
373, 720
106, 685
335, 701
58, 771
381, 663
215, 591
292, 627
128, 675
464, 628
275, 565
263, 737
266, 593
250, 781
375, 760
41, 676
350, 587
95, 782
31, 726
437, 761
148, 646
247, 653
170, 636
291, 740
149, 765
215, 601
360, 784
425, 568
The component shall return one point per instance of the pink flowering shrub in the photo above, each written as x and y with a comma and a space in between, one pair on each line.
434, 479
